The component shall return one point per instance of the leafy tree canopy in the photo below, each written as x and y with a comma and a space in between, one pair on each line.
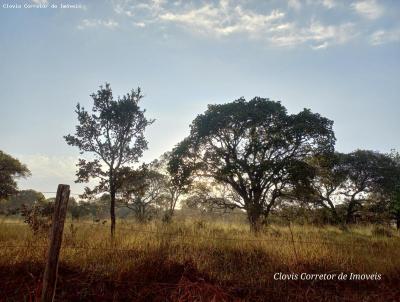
142, 190
256, 147
114, 134
367, 173
10, 169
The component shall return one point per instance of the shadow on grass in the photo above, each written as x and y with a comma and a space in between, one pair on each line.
158, 279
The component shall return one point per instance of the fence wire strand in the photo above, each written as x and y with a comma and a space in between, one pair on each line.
207, 238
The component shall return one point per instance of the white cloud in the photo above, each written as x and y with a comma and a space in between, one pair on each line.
369, 9
325, 3
381, 36
328, 3
226, 18
273, 26
110, 24
320, 46
223, 19
92, 23
319, 36
294, 4
338, 34
140, 24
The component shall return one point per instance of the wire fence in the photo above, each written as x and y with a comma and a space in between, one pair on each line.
180, 234
170, 235
129, 250
181, 282
200, 212
76, 194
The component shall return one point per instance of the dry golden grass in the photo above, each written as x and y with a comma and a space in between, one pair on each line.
226, 253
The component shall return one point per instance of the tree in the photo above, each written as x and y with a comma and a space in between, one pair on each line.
329, 177
350, 181
114, 134
391, 188
141, 190
178, 179
199, 198
366, 174
77, 209
10, 169
395, 191
256, 148
211, 197
27, 198
394, 205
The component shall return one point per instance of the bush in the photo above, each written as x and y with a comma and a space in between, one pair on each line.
38, 217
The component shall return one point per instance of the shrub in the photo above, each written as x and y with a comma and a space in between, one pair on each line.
38, 217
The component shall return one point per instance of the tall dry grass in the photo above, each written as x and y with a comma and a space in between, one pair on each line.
225, 252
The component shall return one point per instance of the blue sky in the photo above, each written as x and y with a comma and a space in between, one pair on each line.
338, 58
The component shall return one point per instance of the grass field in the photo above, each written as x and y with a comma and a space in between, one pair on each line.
200, 261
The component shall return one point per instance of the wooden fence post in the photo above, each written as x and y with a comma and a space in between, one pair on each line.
50, 272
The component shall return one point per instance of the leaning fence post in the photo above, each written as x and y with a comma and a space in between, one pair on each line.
50, 272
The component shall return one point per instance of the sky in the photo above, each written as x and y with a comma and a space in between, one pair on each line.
338, 58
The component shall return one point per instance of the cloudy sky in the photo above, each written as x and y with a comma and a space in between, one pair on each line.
338, 58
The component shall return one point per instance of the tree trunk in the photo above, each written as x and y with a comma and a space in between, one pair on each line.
254, 215
142, 213
332, 209
112, 211
335, 216
167, 218
349, 215
349, 218
398, 222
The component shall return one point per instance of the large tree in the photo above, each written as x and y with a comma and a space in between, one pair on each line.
113, 133
257, 148
10, 169
367, 173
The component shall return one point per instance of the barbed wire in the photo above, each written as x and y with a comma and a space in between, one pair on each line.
218, 238
170, 235
186, 209
77, 194
209, 238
